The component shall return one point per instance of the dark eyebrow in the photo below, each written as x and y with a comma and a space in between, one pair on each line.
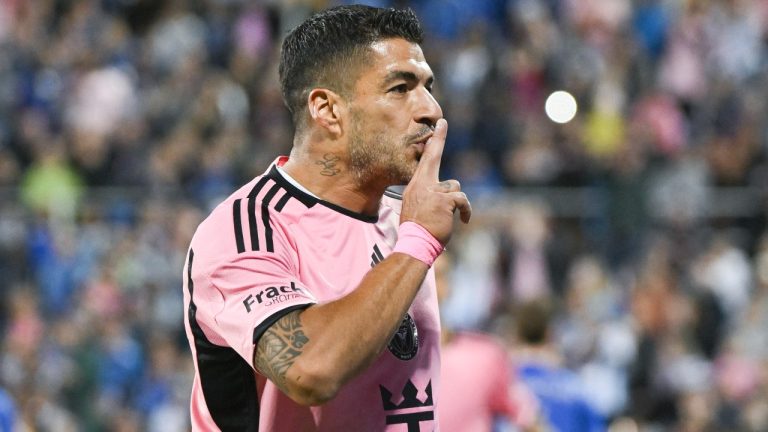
405, 76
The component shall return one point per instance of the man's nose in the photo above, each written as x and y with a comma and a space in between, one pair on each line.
428, 111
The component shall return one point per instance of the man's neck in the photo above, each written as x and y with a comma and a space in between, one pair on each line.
328, 176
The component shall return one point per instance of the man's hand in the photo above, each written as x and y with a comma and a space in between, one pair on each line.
430, 202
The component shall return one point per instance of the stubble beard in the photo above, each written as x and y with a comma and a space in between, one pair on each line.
378, 159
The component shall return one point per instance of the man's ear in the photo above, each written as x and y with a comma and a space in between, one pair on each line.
326, 109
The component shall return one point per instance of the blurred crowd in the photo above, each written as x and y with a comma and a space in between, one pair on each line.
122, 122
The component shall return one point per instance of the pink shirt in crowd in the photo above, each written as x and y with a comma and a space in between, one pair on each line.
477, 386
475, 380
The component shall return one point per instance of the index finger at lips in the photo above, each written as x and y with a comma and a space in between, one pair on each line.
429, 165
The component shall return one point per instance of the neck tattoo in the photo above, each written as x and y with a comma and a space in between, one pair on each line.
329, 164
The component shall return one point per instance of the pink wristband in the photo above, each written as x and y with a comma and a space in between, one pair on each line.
414, 240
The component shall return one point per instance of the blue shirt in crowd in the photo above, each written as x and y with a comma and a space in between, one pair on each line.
563, 404
7, 412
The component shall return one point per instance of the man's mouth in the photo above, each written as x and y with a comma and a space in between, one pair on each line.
422, 142
419, 146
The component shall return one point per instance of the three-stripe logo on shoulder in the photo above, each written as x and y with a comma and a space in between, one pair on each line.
258, 217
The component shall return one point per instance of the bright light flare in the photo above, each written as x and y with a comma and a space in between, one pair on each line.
560, 107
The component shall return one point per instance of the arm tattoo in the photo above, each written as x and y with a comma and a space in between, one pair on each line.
329, 164
279, 346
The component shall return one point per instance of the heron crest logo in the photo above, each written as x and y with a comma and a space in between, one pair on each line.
405, 342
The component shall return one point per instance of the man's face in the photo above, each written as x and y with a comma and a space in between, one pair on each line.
392, 113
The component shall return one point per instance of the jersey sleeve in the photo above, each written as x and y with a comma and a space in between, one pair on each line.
500, 398
527, 407
257, 289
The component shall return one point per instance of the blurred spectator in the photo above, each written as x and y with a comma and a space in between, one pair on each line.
469, 303
559, 390
50, 185
7, 412
161, 394
724, 269
477, 389
595, 336
530, 264
682, 71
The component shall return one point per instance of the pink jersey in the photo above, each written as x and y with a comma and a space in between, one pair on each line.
476, 384
270, 249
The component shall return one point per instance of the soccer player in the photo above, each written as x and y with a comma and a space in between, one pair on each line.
478, 393
309, 292
560, 391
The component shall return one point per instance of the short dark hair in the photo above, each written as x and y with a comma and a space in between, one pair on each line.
327, 49
533, 321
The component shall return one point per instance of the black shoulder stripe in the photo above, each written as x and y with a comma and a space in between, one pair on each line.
227, 380
283, 200
265, 216
258, 187
252, 226
238, 226
293, 191
252, 223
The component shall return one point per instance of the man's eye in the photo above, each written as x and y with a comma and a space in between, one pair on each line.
402, 88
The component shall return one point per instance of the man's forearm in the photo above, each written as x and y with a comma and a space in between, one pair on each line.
345, 336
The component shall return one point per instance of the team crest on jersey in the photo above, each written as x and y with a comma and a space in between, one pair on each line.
405, 342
